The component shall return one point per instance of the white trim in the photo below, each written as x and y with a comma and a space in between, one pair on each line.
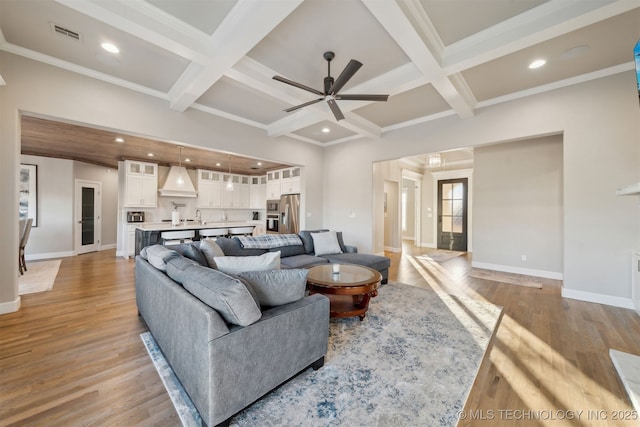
598, 298
107, 247
428, 245
392, 249
518, 270
454, 174
34, 257
10, 306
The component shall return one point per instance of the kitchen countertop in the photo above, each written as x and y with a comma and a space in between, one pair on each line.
195, 225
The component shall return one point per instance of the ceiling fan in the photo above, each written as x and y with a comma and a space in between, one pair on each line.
331, 88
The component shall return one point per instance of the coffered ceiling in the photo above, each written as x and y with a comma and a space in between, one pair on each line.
434, 58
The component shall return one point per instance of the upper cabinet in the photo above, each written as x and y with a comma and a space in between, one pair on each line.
141, 184
273, 185
290, 181
213, 191
258, 192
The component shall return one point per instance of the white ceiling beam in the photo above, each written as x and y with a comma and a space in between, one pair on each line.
256, 19
545, 22
148, 23
402, 30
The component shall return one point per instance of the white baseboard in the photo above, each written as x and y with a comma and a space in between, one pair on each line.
598, 298
518, 270
107, 247
429, 245
34, 257
392, 249
10, 306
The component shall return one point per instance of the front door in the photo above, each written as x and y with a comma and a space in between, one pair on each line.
452, 214
87, 216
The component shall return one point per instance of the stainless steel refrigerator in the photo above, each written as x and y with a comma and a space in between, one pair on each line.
289, 214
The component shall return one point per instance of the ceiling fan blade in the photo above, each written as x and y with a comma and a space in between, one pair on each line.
344, 77
335, 109
288, 110
350, 97
298, 85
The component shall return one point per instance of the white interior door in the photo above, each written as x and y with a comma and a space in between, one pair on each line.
88, 216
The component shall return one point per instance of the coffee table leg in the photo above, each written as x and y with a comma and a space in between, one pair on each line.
362, 302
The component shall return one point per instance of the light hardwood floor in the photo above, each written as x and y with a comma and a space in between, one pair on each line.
73, 356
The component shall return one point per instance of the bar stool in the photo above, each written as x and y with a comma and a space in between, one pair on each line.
240, 231
213, 233
177, 237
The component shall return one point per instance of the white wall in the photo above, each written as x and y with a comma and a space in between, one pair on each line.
43, 90
409, 187
600, 123
517, 208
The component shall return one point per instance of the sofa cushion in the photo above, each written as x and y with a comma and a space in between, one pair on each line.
239, 264
290, 250
302, 261
227, 295
325, 243
232, 247
276, 287
307, 240
191, 251
373, 261
158, 255
210, 250
177, 268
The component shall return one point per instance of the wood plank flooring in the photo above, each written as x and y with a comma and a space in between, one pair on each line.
73, 356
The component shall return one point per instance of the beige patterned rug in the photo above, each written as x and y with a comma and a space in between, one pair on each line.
511, 278
39, 276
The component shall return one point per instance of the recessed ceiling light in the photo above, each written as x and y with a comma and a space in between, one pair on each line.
110, 47
259, 163
187, 160
149, 154
218, 164
119, 139
537, 63
326, 130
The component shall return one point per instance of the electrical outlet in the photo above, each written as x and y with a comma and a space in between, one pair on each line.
524, 257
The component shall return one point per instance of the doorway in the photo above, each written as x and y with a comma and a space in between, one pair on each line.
87, 216
452, 214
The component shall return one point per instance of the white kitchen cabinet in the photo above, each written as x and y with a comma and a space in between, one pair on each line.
273, 185
258, 192
290, 181
210, 188
130, 241
141, 185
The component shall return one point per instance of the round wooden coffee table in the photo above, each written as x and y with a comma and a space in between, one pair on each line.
349, 291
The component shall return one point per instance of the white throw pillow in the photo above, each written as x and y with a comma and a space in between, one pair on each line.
325, 243
239, 264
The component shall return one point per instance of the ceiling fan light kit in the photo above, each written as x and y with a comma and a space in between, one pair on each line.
332, 87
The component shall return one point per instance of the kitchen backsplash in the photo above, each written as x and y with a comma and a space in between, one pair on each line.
188, 206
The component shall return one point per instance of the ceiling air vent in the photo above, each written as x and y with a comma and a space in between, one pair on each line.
65, 32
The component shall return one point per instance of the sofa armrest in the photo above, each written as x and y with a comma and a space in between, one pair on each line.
250, 361
351, 249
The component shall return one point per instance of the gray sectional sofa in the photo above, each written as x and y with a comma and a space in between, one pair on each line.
296, 256
233, 336
224, 367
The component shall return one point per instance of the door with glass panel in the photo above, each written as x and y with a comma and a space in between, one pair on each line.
88, 201
452, 214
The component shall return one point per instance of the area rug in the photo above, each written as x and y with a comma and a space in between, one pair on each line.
39, 277
440, 255
412, 361
511, 278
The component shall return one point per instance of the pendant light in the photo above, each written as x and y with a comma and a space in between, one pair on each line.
180, 179
229, 185
435, 161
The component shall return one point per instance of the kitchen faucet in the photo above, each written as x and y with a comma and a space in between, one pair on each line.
199, 216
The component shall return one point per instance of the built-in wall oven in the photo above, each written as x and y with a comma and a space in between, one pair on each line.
273, 216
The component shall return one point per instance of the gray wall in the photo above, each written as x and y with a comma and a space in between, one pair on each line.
54, 235
44, 90
518, 207
600, 124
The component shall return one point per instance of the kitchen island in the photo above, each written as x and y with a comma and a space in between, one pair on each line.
148, 233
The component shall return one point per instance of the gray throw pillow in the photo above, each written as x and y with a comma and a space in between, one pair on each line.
178, 268
210, 250
276, 287
158, 255
238, 264
225, 294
